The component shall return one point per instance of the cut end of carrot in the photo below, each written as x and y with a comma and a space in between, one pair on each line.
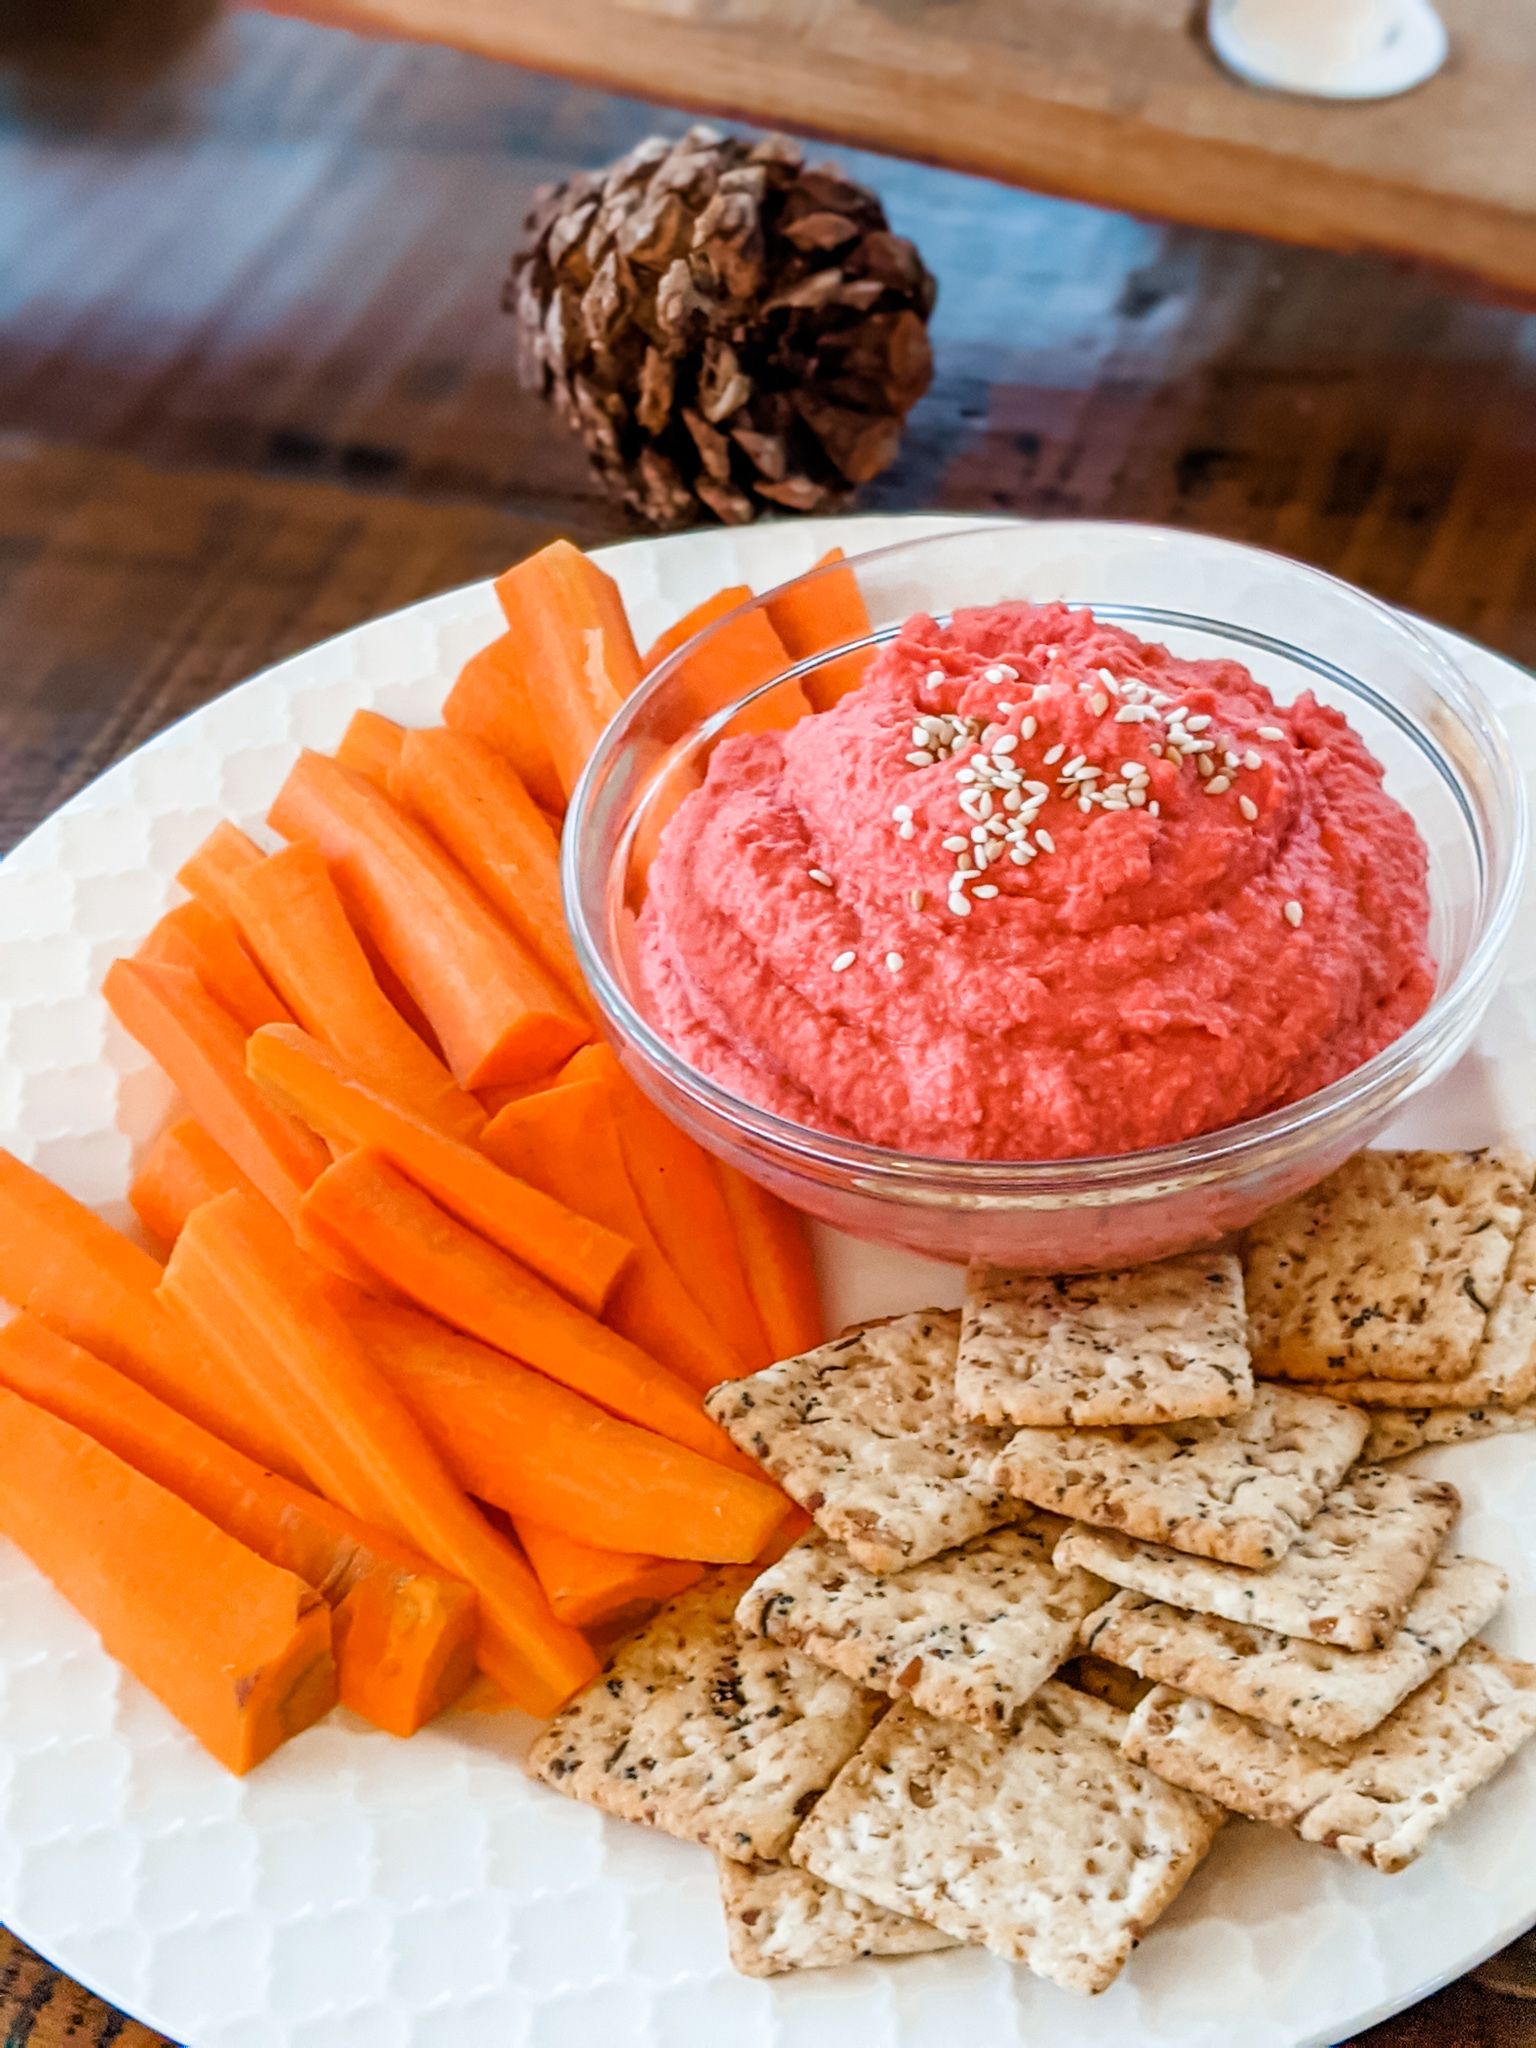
600, 1588
371, 746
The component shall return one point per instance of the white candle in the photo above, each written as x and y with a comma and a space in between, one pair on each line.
1332, 49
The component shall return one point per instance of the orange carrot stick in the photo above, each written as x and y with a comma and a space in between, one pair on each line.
224, 852
294, 922
580, 1257
738, 656
576, 650
492, 700
184, 1168
202, 1048
194, 936
496, 1013
566, 1142
403, 1632
472, 801
796, 1523
679, 1193
778, 1262
828, 612
237, 1650
371, 746
702, 615
238, 1279
90, 1284
534, 1448
599, 1588
432, 1259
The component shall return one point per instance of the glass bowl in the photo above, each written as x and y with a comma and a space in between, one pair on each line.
1447, 760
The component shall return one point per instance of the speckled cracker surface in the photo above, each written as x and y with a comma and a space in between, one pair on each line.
863, 1434
1240, 1487
968, 1636
1397, 1431
1151, 1344
1378, 1802
1388, 1270
1348, 1580
778, 1918
1048, 1845
1314, 1689
697, 1731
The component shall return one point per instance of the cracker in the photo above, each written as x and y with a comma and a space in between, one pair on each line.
968, 1635
1106, 1681
1397, 1431
1238, 1487
1150, 1344
1379, 1801
703, 1734
1388, 1270
1314, 1689
863, 1434
1348, 1580
778, 1918
1047, 1845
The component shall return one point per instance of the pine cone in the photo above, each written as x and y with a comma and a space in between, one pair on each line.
725, 327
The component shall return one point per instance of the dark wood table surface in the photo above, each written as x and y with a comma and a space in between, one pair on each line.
254, 388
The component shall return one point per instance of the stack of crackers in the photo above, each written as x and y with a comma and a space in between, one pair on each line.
1096, 1562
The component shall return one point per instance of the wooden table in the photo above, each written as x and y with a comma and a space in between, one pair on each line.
254, 388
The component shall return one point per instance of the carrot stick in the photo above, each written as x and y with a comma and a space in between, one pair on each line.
828, 612
778, 1262
204, 940
680, 1196
89, 1283
534, 1448
371, 746
238, 1650
293, 920
238, 1279
577, 652
702, 615
566, 1142
183, 1169
403, 1633
432, 1259
496, 1013
739, 655
796, 1523
224, 852
580, 1257
592, 1588
472, 801
492, 700
202, 1048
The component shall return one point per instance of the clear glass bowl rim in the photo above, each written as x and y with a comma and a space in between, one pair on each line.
1237, 1148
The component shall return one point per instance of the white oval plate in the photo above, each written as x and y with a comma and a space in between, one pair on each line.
362, 1892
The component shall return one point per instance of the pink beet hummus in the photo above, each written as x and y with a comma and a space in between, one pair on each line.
1037, 890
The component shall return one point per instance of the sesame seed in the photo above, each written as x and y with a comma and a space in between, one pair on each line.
1175, 757
983, 805
918, 898
997, 827
1006, 744
959, 906
820, 875
1253, 758
919, 735
1054, 756
1231, 760
1153, 747
1270, 732
1098, 704
1134, 714
1178, 712
920, 758
935, 677
1293, 913
987, 889
978, 833
1248, 807
1044, 840
1108, 680
1029, 728
955, 845
1217, 784
965, 775
1021, 856
1154, 809
905, 829
895, 962
1203, 765
843, 960
901, 813
1199, 722
1136, 797
1077, 761
1085, 803
1012, 800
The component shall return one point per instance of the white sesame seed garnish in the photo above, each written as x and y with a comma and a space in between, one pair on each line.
1136, 797
1029, 728
987, 889
1134, 714
901, 813
1179, 712
1085, 804
1154, 748
1054, 756
1270, 732
1217, 784
984, 805
820, 875
1293, 913
1011, 800
906, 829
936, 676
1203, 764
920, 758
1253, 758
1108, 680
1131, 769
1044, 841
978, 834
1154, 809
1231, 760
1248, 807
1175, 757
959, 906
1021, 856
918, 898
843, 960
965, 775
895, 962
1006, 744
1199, 722
919, 735
1098, 704
955, 844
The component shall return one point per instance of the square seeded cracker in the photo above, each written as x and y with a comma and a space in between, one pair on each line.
703, 1734
1397, 1431
1388, 1270
1048, 1845
1347, 1580
1377, 1802
968, 1635
778, 1918
1315, 1690
862, 1433
1238, 1487
1151, 1344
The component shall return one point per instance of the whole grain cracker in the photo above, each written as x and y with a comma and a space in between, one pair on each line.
1397, 1431
778, 1918
1349, 1578
1388, 1270
704, 1734
863, 1434
1149, 1344
968, 1635
1314, 1689
1377, 1802
1112, 1682
1047, 1845
1240, 1487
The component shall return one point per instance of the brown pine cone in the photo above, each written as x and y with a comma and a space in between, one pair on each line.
725, 327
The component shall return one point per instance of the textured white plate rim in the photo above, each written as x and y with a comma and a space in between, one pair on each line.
659, 577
